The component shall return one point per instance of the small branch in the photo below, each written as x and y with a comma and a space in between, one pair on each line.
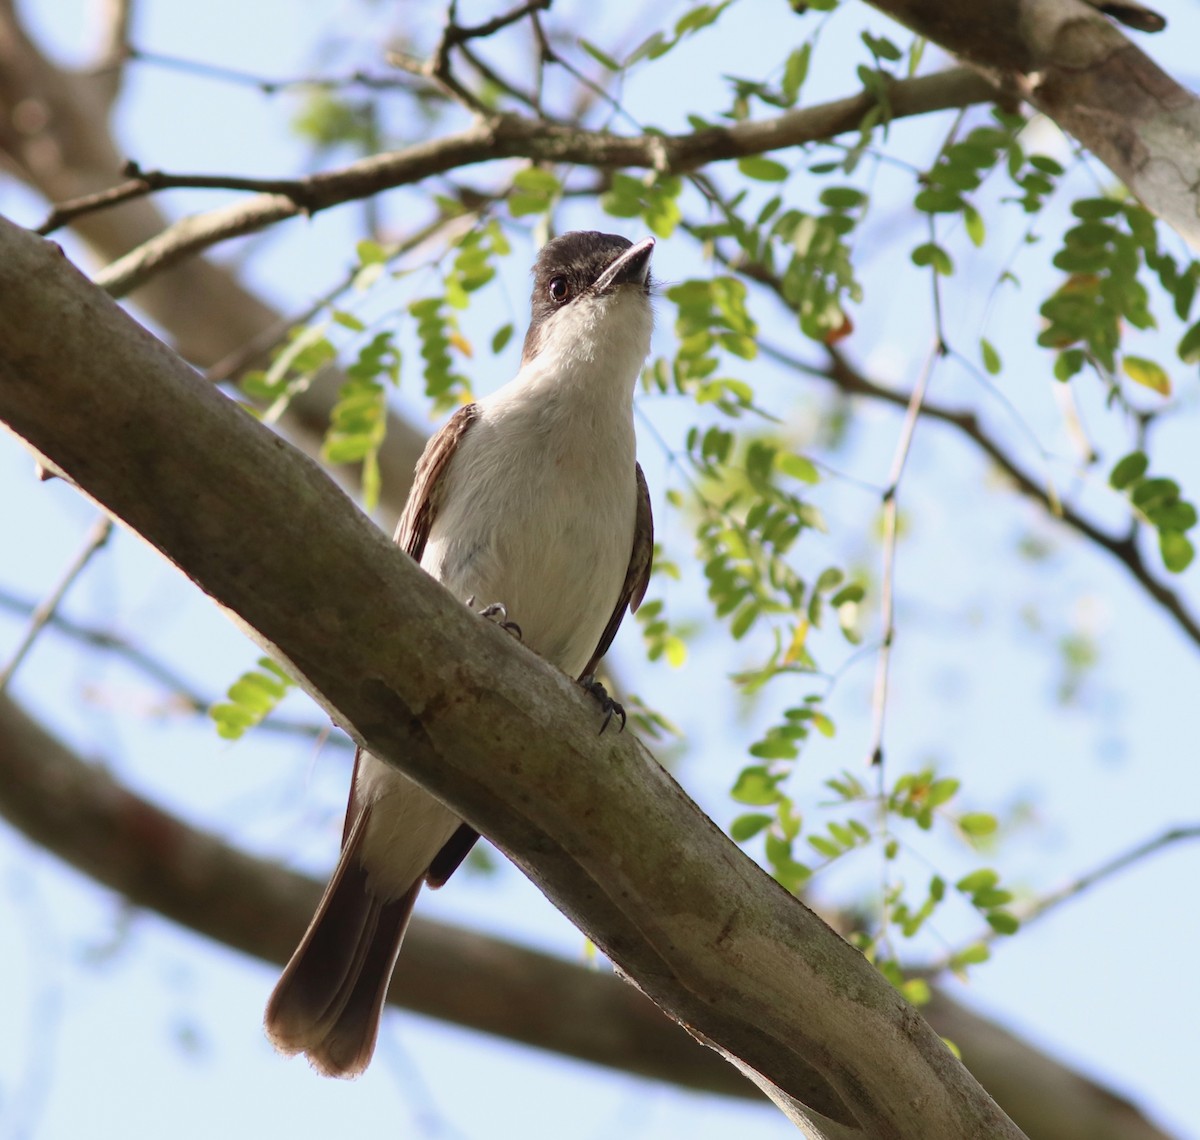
1040, 907
456, 34
224, 74
142, 182
1124, 548
182, 690
96, 538
1106, 870
890, 532
512, 136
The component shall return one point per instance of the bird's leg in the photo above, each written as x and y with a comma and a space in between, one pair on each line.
608, 706
497, 613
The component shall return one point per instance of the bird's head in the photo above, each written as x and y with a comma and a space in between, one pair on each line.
591, 304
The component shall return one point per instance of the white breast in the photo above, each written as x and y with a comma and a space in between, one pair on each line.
536, 511
538, 515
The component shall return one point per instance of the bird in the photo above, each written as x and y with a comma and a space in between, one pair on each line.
532, 501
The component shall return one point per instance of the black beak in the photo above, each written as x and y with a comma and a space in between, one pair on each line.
631, 268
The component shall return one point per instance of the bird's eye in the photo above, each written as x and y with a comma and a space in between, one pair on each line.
559, 290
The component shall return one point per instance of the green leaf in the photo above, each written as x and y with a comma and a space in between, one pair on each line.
979, 880
942, 791
537, 180
973, 221
600, 57
991, 358
970, 956
762, 169
1128, 470
347, 320
252, 697
1093, 208
855, 592
795, 71
756, 786
1002, 922
842, 197
1176, 549
370, 252
991, 897
1189, 346
823, 724
978, 823
501, 338
881, 47
931, 254
1150, 494
797, 467
824, 846
1147, 373
747, 826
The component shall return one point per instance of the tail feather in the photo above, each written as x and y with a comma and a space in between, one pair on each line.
329, 1000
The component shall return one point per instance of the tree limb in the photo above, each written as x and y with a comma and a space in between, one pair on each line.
1122, 547
81, 814
64, 149
513, 136
478, 720
1066, 59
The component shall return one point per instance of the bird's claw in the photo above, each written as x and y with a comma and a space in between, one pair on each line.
609, 707
497, 613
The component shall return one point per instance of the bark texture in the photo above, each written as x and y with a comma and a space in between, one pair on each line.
507, 742
1070, 62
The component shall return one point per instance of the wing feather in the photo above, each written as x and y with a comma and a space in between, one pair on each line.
412, 532
637, 576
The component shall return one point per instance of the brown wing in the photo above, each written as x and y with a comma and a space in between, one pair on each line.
637, 576
412, 531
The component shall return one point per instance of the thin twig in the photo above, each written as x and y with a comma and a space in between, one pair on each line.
459, 34
890, 531
223, 74
96, 538
141, 182
512, 136
1042, 906
188, 697
1123, 548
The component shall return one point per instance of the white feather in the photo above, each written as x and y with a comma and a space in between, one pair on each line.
538, 510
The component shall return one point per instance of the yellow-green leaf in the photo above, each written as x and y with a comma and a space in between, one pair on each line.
1148, 374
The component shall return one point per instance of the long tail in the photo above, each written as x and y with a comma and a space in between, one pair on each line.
330, 997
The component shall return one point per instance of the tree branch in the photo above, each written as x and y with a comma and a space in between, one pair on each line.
1066, 59
477, 719
841, 372
81, 814
208, 313
43, 614
512, 136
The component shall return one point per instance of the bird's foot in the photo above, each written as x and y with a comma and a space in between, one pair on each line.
497, 613
608, 706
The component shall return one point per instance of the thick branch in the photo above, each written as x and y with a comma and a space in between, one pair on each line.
504, 739
154, 859
77, 811
1072, 64
511, 136
54, 135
